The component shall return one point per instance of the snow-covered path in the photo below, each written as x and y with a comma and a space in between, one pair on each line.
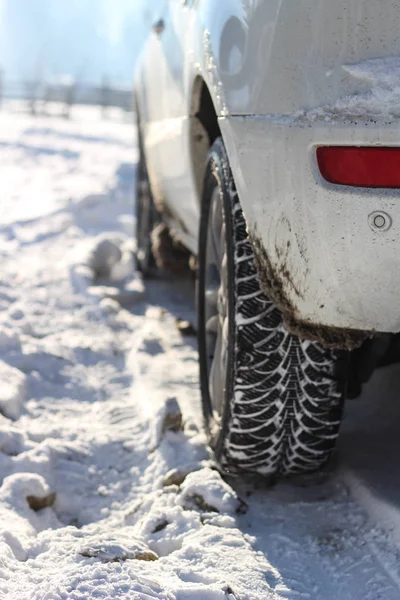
104, 494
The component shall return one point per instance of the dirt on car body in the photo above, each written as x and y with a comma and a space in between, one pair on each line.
275, 282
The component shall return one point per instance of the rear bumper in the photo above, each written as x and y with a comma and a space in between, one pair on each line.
331, 268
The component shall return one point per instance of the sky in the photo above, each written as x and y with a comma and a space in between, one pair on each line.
85, 39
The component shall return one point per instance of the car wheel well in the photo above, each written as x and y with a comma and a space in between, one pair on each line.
207, 115
204, 130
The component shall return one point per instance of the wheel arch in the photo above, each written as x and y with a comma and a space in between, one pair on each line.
203, 131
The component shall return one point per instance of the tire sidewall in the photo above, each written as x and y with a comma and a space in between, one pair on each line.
217, 175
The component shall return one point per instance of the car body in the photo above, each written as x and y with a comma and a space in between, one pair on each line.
284, 78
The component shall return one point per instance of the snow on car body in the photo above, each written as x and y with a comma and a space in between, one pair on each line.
298, 89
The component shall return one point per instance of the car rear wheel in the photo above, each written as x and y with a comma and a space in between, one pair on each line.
271, 401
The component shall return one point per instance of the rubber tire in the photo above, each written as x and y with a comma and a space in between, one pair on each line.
282, 403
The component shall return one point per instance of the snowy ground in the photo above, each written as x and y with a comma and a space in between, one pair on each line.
105, 493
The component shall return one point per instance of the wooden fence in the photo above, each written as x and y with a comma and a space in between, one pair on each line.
39, 95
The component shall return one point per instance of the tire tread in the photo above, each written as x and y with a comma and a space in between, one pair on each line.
284, 404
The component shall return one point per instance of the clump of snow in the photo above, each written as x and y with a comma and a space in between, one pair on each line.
172, 416
110, 306
168, 416
114, 548
17, 487
107, 273
178, 475
111, 257
13, 390
207, 491
15, 494
166, 526
105, 254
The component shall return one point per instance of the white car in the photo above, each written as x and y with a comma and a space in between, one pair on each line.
269, 140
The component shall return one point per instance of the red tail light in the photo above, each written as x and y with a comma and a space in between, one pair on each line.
362, 167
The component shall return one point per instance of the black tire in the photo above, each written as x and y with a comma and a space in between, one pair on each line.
280, 409
146, 216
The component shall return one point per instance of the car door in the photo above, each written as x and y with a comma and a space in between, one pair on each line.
168, 126
151, 62
150, 85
